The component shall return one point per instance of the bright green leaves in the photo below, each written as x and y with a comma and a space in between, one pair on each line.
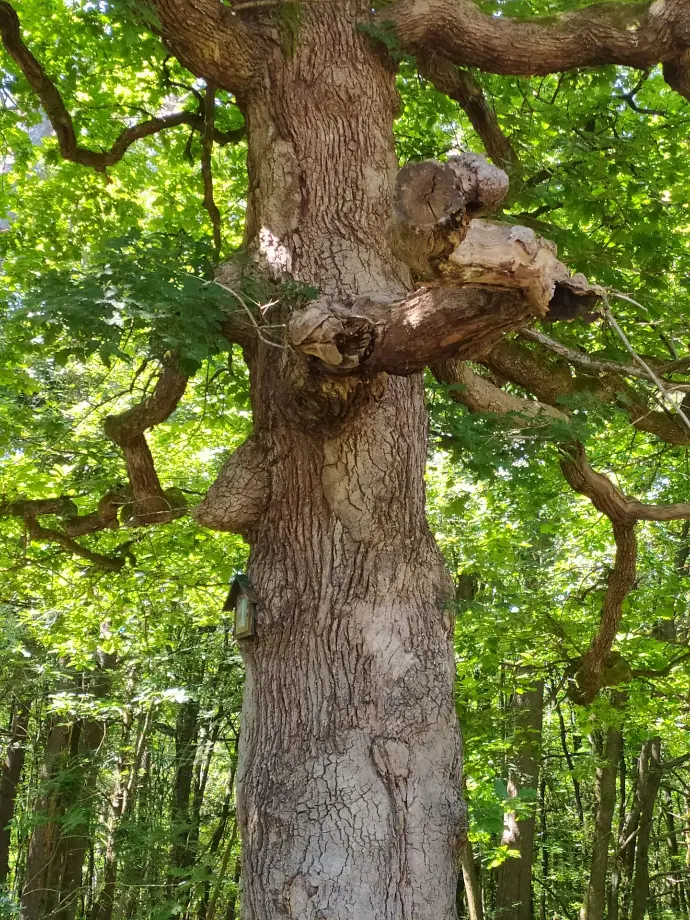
130, 293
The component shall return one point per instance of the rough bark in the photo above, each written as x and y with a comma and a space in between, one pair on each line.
595, 895
514, 897
349, 773
11, 776
186, 741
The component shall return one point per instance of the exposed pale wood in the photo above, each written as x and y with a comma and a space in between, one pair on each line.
511, 256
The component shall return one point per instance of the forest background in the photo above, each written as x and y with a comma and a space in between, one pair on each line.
120, 681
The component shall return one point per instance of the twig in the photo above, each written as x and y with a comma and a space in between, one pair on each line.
624, 339
582, 360
252, 318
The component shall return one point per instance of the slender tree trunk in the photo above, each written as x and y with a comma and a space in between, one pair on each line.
571, 766
10, 777
595, 895
216, 841
349, 779
649, 792
473, 890
515, 875
58, 847
676, 876
181, 815
616, 871
543, 840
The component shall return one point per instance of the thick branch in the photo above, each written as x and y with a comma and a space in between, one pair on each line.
151, 504
60, 118
432, 324
37, 532
29, 510
591, 675
480, 395
550, 380
599, 666
608, 498
635, 35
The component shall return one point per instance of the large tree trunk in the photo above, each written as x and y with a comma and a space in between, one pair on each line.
514, 901
349, 776
10, 777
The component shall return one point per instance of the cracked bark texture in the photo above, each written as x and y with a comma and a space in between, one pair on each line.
349, 799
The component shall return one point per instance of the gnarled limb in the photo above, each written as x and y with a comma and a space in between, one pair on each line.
29, 510
60, 118
151, 504
634, 35
591, 675
480, 395
607, 497
599, 666
38, 532
433, 323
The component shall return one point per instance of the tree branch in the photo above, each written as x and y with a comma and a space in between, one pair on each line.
60, 118
206, 166
151, 504
480, 395
608, 498
432, 324
551, 380
37, 532
463, 87
599, 666
582, 360
635, 35
29, 510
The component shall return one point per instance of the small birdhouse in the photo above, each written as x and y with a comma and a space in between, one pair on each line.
242, 599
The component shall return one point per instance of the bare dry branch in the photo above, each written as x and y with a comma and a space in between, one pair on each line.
580, 359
